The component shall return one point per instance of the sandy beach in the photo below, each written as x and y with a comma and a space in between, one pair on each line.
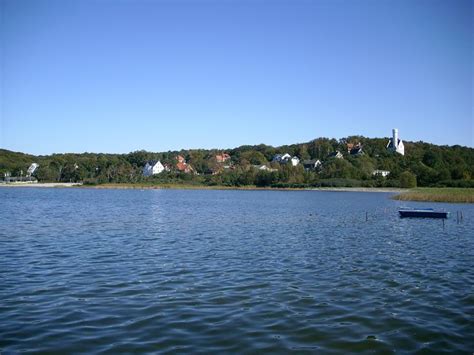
43, 184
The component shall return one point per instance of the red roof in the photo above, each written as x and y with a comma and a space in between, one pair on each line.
181, 166
184, 167
221, 158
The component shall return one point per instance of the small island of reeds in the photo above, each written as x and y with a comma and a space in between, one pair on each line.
446, 194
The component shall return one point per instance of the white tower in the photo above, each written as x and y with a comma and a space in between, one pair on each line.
396, 144
395, 137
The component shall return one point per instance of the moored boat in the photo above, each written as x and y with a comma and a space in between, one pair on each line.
422, 213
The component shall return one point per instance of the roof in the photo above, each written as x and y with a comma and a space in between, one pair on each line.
181, 166
311, 162
390, 143
153, 162
222, 157
356, 150
184, 167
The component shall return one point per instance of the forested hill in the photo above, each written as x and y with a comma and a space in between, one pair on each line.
427, 164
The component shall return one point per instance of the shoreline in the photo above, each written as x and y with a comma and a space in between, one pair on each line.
43, 184
446, 195
199, 187
248, 188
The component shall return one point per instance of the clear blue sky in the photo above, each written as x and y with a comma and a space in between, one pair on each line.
122, 75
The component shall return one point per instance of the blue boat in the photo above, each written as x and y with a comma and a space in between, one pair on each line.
422, 213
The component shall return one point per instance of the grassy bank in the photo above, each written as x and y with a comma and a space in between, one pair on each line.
445, 194
144, 186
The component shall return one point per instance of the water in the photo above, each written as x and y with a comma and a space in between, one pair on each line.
112, 271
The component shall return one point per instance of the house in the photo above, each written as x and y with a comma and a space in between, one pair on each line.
337, 154
295, 161
281, 158
8, 178
355, 149
383, 173
216, 170
264, 168
222, 158
153, 168
395, 144
311, 165
286, 158
182, 166
32, 169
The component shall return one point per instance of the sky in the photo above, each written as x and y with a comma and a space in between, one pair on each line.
116, 76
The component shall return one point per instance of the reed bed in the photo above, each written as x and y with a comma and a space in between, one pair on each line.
445, 194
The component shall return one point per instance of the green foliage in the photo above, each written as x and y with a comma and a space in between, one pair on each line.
266, 178
423, 165
252, 157
407, 179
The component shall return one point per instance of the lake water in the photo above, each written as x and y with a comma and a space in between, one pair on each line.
113, 271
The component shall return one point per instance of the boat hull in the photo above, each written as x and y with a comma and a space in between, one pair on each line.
423, 214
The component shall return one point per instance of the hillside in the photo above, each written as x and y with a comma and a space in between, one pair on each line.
429, 164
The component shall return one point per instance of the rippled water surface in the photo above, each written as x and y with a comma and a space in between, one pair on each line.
230, 271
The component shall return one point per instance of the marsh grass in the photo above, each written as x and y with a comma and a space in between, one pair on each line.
444, 194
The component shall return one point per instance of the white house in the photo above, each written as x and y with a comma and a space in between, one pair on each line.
32, 169
282, 158
337, 154
313, 164
395, 144
153, 168
286, 158
264, 168
383, 173
295, 161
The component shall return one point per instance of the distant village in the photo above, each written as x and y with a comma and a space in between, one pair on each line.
223, 163
395, 144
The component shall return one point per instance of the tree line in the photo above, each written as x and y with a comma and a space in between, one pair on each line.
423, 164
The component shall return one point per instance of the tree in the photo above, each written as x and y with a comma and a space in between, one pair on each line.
138, 158
46, 173
265, 178
407, 180
302, 152
253, 157
430, 164
337, 168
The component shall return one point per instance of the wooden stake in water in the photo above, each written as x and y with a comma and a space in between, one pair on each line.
443, 223
366, 216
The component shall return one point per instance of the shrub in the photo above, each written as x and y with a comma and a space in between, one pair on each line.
407, 180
